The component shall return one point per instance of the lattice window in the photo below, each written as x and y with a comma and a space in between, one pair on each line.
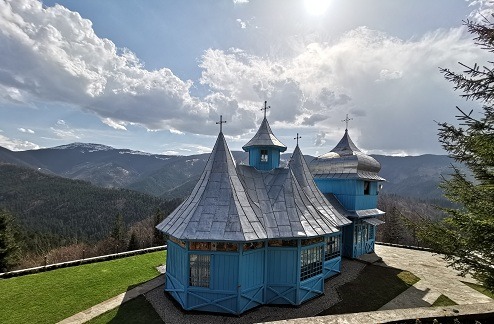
200, 270
333, 247
264, 155
371, 231
311, 262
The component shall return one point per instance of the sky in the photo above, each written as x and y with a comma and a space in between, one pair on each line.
156, 75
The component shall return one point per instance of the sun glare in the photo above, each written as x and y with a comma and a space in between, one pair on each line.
316, 7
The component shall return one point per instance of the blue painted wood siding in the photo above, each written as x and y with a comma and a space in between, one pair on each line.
350, 192
255, 158
252, 279
177, 278
283, 275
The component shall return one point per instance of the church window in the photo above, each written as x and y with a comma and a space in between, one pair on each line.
310, 262
200, 270
332, 247
200, 246
264, 155
371, 232
366, 187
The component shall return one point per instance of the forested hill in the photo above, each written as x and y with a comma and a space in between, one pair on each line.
53, 208
169, 176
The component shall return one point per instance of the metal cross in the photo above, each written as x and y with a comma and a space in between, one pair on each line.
266, 107
346, 120
297, 138
221, 122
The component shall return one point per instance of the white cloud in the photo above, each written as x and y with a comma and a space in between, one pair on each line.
52, 54
66, 134
17, 144
25, 130
240, 1
325, 81
175, 131
242, 24
114, 124
61, 122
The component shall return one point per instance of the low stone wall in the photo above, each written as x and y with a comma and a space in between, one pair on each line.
410, 247
74, 263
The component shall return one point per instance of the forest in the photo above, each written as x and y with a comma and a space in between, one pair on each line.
50, 215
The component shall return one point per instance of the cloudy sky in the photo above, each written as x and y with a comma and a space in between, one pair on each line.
156, 75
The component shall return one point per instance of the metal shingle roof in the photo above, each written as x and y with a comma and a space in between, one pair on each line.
345, 160
264, 137
218, 207
242, 204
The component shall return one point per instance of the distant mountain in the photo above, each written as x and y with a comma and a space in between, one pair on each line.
174, 176
415, 176
101, 165
69, 210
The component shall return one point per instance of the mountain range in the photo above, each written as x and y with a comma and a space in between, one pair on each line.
171, 176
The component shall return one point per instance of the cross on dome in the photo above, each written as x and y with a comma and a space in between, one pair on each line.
221, 122
266, 107
346, 120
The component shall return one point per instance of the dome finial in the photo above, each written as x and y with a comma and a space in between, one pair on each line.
266, 107
221, 122
346, 120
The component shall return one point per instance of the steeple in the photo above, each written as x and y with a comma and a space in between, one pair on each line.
264, 148
230, 218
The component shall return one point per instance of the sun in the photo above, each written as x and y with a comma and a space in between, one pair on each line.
316, 7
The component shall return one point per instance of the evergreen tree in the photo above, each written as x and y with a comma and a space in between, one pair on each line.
158, 238
9, 249
118, 233
466, 236
133, 242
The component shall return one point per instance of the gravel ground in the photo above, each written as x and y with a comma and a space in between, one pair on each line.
171, 312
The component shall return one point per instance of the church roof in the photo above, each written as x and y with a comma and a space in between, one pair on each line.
218, 207
264, 137
345, 160
240, 203
361, 214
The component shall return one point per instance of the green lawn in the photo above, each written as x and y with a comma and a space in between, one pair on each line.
480, 289
373, 288
51, 296
443, 300
137, 310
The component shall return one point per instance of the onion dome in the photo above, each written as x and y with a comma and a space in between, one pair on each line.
346, 161
264, 138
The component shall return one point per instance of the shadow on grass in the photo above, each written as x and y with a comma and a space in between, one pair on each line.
373, 288
132, 310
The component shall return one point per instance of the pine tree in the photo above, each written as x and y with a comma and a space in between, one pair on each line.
9, 249
118, 233
133, 242
466, 236
158, 238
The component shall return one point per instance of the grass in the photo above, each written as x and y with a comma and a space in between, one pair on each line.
137, 310
372, 289
51, 296
480, 289
443, 300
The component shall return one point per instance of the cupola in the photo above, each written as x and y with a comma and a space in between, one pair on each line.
264, 148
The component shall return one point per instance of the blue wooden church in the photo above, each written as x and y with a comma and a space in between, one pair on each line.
253, 234
350, 182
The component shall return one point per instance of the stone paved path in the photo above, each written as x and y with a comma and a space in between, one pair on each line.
435, 279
